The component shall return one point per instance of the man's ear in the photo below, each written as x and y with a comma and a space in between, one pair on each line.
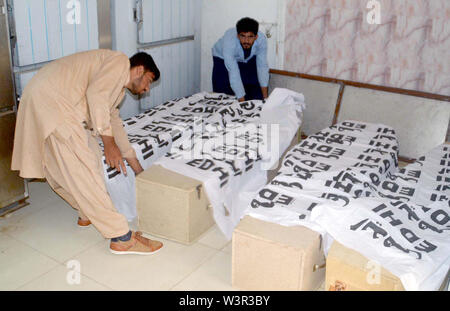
256, 37
140, 70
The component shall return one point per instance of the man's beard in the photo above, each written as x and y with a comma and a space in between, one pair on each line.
135, 85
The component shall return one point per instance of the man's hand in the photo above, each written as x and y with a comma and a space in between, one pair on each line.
112, 154
241, 99
265, 92
135, 165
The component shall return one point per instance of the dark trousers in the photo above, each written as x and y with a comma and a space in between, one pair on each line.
249, 76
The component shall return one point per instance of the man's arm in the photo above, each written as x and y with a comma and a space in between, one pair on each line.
113, 155
101, 94
231, 64
121, 139
262, 66
265, 91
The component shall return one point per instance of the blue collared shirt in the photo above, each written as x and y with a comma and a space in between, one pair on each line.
230, 50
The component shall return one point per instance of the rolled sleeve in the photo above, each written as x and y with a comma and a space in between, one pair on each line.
232, 66
261, 64
121, 136
103, 91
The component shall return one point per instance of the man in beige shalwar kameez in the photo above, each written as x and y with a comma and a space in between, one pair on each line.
64, 107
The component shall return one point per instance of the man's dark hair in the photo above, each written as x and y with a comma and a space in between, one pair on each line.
144, 59
247, 24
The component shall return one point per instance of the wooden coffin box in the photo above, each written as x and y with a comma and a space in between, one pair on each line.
171, 205
267, 256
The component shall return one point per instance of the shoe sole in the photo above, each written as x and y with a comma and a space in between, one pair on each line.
83, 226
134, 253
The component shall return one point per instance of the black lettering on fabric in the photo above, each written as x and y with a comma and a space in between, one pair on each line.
379, 208
388, 137
285, 184
223, 175
390, 186
356, 226
324, 148
379, 144
268, 194
255, 204
194, 162
444, 171
336, 198
446, 179
442, 188
330, 156
236, 170
302, 173
388, 131
248, 105
380, 152
377, 230
394, 222
307, 144
424, 226
425, 246
410, 210
284, 199
318, 139
393, 197
390, 242
112, 172
343, 176
374, 178
410, 236
407, 191
206, 165
362, 164
147, 150
440, 217
441, 198
368, 158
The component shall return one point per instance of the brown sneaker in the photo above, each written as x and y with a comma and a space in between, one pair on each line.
137, 245
83, 223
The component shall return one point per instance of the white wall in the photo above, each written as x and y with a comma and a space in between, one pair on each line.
124, 39
220, 15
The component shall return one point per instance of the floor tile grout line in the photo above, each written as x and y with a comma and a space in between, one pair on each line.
198, 267
31, 213
37, 277
49, 256
56, 267
83, 250
98, 282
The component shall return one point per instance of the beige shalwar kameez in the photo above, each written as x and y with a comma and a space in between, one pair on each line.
64, 107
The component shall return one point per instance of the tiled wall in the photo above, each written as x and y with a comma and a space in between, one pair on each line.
410, 48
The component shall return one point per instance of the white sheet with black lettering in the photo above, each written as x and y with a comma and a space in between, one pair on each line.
318, 170
404, 225
230, 183
151, 135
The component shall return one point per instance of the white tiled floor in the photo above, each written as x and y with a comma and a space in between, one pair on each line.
39, 242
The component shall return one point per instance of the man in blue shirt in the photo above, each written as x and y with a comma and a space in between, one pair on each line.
240, 62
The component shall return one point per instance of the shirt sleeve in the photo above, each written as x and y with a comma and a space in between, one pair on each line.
261, 64
103, 91
120, 135
232, 66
